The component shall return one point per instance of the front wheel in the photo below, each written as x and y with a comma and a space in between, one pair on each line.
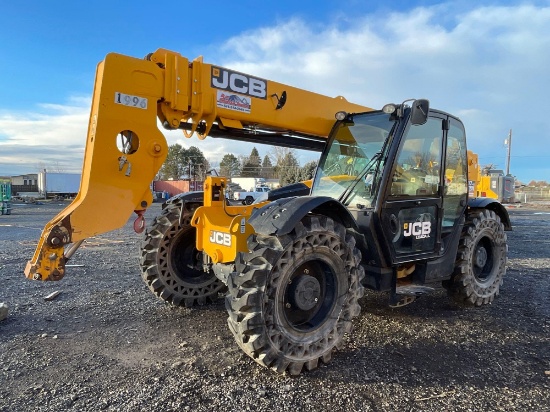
293, 298
481, 260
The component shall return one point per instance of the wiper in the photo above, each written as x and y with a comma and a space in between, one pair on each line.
344, 197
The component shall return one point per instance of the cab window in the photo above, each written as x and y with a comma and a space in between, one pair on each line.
417, 170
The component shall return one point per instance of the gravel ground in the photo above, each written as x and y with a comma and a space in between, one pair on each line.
106, 343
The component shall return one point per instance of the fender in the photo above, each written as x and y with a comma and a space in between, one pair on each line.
495, 206
295, 189
281, 216
190, 197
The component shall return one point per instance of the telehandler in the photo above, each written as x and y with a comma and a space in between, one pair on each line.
388, 208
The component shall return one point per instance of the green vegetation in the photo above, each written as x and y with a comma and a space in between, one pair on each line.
281, 163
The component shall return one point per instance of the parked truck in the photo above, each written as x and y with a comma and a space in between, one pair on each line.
388, 207
249, 184
247, 198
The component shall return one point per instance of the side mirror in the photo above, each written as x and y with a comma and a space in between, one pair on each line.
419, 111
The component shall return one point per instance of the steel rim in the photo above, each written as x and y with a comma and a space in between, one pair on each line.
483, 260
185, 260
309, 296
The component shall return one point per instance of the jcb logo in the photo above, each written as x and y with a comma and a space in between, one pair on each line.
220, 238
419, 230
238, 83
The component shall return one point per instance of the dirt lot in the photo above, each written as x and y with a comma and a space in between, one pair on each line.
106, 343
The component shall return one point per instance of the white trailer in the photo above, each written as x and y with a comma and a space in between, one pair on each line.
58, 184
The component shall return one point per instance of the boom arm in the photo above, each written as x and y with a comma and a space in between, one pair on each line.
129, 95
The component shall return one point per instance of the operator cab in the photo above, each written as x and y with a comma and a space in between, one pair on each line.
402, 174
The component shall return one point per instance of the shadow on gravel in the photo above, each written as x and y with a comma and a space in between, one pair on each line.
501, 345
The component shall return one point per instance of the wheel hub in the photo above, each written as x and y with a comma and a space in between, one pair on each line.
305, 292
481, 257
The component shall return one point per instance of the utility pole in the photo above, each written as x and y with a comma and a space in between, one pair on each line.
508, 142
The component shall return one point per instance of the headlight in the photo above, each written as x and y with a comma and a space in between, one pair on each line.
340, 115
389, 108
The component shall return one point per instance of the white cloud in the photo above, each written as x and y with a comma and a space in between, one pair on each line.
488, 65
52, 136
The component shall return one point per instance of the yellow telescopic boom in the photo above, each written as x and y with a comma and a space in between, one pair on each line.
125, 149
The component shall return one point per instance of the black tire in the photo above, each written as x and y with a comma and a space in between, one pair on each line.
249, 200
273, 314
481, 260
171, 265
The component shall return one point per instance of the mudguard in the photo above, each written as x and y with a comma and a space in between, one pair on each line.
295, 189
495, 206
191, 197
281, 216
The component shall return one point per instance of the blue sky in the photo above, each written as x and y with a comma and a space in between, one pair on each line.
487, 62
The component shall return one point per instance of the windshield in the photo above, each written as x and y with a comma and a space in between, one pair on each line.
354, 161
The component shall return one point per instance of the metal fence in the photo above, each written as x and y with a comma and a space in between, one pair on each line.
534, 194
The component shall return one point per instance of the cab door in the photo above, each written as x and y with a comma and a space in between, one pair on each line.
411, 211
455, 180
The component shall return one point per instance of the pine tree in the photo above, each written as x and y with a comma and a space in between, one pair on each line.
252, 165
267, 168
172, 167
308, 171
184, 163
230, 166
288, 169
195, 164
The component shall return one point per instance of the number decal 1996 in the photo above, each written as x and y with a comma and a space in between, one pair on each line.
129, 100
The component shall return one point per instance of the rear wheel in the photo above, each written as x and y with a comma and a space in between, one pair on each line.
171, 265
481, 260
293, 298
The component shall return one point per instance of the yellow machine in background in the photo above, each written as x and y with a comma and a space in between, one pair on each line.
388, 207
494, 184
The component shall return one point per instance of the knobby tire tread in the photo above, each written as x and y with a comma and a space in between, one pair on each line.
251, 316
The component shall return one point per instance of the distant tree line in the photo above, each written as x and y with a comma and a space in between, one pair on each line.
538, 183
281, 163
184, 164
